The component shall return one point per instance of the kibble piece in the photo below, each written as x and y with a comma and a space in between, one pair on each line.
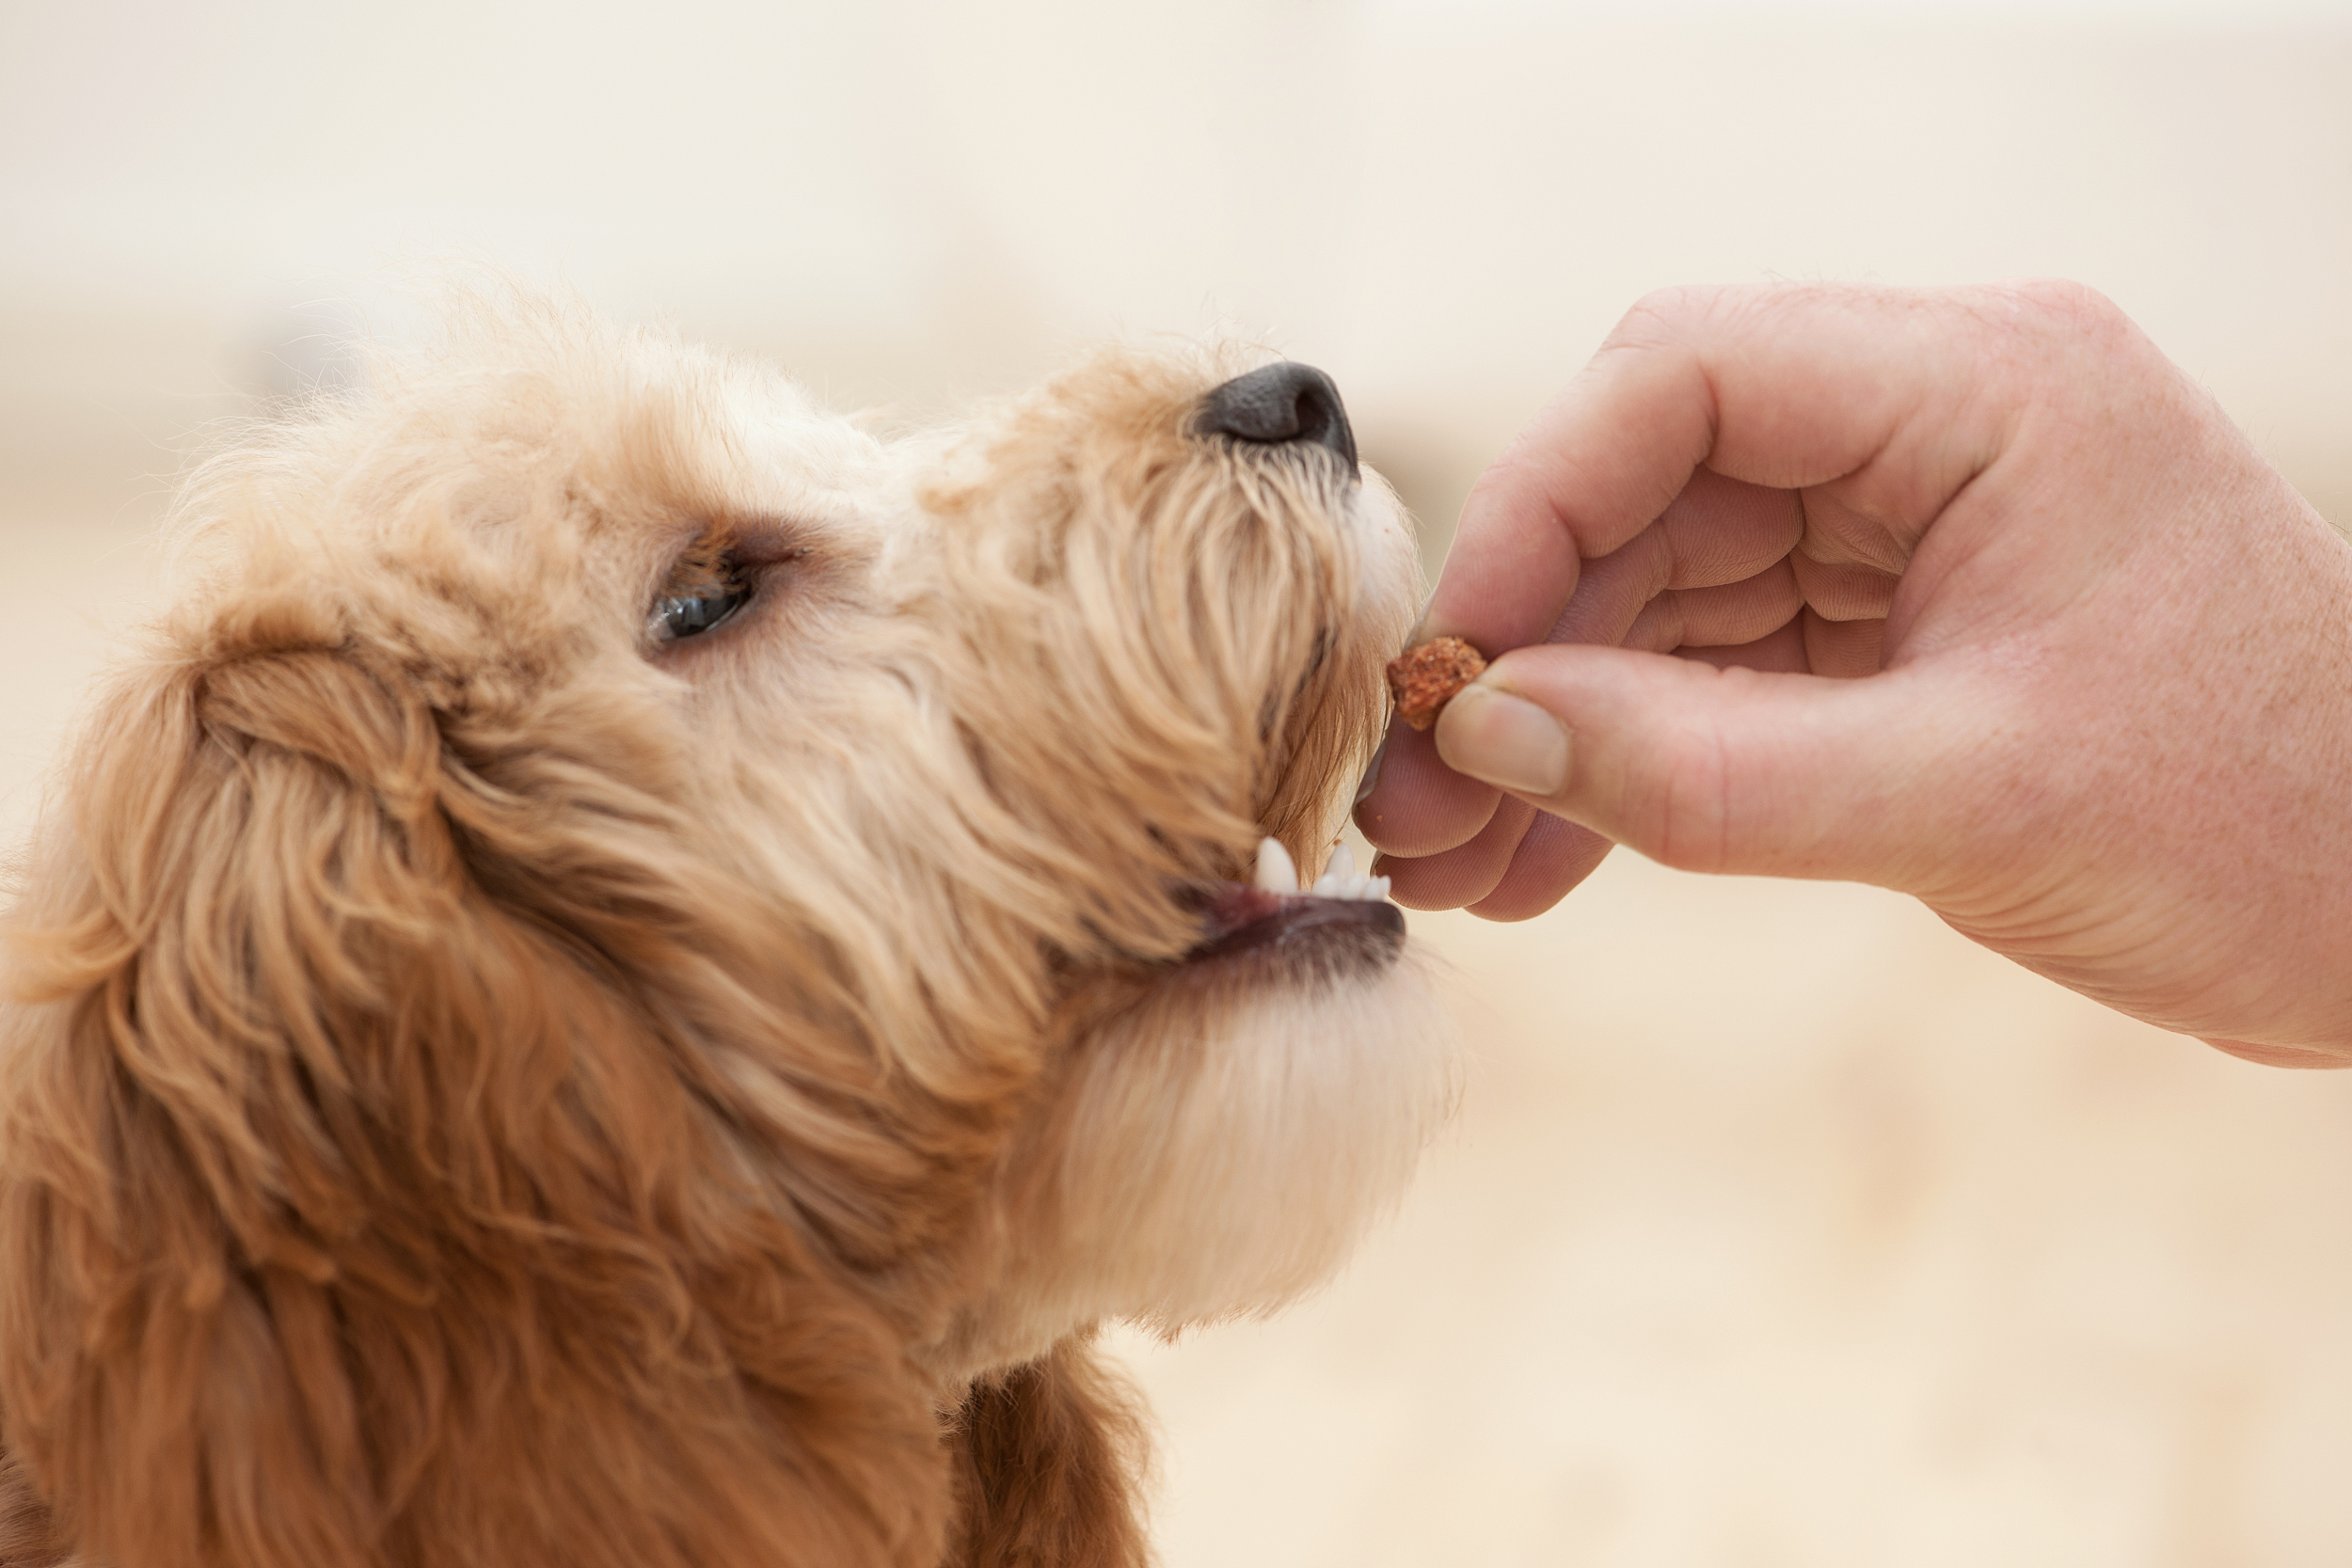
1425, 677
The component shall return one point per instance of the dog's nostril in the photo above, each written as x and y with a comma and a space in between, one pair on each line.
1281, 404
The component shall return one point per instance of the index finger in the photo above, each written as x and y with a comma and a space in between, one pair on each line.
1790, 386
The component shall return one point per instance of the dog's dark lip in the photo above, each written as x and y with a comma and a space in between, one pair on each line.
1238, 918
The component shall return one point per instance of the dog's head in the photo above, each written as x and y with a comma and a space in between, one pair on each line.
630, 937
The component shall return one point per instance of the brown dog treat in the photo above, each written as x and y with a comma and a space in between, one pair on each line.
1426, 676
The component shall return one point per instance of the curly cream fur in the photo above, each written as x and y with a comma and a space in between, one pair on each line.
482, 1088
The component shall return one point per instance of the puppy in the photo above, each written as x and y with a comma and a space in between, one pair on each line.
634, 970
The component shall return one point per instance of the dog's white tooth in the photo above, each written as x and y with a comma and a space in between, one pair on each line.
1342, 865
1276, 873
1380, 888
1359, 887
1328, 887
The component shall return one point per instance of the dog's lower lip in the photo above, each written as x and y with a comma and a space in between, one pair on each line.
1236, 917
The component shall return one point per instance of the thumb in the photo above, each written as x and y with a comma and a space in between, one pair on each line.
1733, 769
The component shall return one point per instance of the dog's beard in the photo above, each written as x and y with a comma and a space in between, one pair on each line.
1217, 1145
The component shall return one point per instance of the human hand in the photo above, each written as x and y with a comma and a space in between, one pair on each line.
1970, 593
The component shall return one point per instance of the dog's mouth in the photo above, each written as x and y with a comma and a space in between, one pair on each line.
1342, 918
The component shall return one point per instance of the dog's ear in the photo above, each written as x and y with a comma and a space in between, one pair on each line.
356, 1209
1049, 1459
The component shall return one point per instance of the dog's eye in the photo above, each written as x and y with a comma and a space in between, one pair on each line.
700, 594
692, 616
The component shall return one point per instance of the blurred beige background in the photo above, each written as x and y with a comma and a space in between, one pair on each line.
1780, 1225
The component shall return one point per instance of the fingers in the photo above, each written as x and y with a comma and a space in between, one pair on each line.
1786, 388
1712, 570
2284, 1056
1843, 592
1718, 532
1558, 496
1470, 852
1518, 865
1417, 805
1780, 651
1843, 650
1741, 475
1466, 873
1733, 613
1553, 857
1725, 770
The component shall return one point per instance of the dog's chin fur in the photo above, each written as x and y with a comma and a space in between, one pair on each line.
486, 1083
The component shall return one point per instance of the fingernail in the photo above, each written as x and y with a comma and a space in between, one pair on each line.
1506, 740
1372, 770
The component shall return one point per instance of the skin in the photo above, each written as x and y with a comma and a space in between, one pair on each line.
1969, 594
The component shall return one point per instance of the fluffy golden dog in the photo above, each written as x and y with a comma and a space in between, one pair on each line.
636, 969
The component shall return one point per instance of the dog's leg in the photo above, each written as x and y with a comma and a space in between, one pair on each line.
1049, 1459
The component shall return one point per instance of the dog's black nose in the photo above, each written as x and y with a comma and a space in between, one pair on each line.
1279, 403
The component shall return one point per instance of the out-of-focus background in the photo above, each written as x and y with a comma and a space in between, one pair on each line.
1780, 1224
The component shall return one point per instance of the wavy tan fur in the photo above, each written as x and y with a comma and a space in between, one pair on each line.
484, 1087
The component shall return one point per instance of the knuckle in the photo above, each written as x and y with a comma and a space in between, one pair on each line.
1665, 316
2064, 299
1504, 478
2062, 313
2050, 339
